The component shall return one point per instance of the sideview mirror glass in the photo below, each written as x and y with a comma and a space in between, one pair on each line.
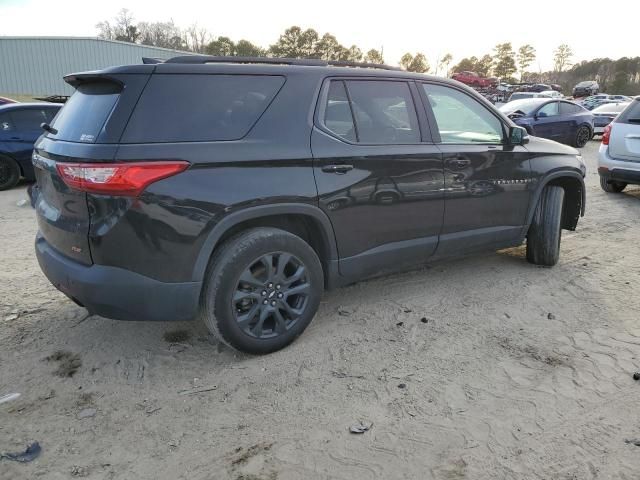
518, 136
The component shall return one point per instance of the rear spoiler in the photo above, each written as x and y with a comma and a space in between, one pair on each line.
151, 60
110, 74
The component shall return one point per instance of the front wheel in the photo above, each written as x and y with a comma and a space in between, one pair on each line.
583, 135
263, 288
612, 187
545, 232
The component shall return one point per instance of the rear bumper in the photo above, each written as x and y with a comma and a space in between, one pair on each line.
627, 171
620, 175
117, 293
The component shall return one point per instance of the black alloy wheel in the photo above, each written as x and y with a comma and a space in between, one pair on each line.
271, 295
583, 135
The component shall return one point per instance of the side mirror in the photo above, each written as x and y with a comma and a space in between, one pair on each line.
541, 114
518, 136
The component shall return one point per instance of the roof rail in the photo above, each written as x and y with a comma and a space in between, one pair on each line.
341, 63
310, 62
269, 60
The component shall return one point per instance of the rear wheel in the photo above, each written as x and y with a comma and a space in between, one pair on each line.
545, 232
583, 135
9, 173
612, 187
263, 288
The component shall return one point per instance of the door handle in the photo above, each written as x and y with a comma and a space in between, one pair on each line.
338, 168
461, 162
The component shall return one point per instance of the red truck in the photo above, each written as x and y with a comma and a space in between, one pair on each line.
474, 80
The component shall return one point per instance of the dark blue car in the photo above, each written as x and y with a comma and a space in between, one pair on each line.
19, 129
559, 120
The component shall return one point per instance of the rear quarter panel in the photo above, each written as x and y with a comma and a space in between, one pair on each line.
161, 233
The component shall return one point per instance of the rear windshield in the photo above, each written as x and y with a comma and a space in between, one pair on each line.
83, 116
198, 108
631, 114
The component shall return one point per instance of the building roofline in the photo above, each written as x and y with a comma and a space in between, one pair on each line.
98, 39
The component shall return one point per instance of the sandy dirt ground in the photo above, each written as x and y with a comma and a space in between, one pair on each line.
481, 368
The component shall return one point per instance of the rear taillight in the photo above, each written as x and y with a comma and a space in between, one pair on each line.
126, 179
606, 134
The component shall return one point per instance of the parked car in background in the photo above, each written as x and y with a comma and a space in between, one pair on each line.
237, 192
551, 94
602, 99
19, 129
605, 114
619, 155
558, 120
539, 87
586, 88
622, 98
556, 87
524, 95
474, 80
5, 100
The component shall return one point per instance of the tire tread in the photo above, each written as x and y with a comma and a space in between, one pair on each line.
543, 238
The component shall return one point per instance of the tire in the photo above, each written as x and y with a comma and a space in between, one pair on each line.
9, 173
583, 135
233, 310
612, 187
545, 232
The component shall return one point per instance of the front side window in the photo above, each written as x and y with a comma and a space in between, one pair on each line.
548, 110
461, 119
384, 112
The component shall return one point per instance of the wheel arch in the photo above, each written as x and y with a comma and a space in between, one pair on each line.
306, 221
575, 197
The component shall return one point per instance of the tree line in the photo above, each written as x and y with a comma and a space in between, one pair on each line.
509, 64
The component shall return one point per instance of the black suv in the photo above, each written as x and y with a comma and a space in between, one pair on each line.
236, 190
586, 88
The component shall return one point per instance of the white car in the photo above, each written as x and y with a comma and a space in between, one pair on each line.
619, 156
523, 95
551, 94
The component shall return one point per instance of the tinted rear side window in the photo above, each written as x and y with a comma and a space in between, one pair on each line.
337, 115
199, 108
83, 116
567, 108
631, 114
384, 112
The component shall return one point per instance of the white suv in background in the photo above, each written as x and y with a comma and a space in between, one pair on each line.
619, 157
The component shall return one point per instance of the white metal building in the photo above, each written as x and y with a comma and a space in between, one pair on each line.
34, 66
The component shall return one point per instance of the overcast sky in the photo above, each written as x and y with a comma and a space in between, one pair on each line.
591, 27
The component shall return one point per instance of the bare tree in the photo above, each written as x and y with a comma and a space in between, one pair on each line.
105, 30
444, 63
197, 38
162, 34
124, 29
562, 57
